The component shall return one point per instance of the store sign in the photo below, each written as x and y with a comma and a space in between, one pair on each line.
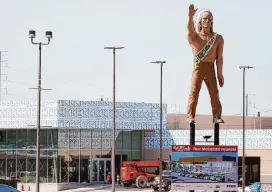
204, 167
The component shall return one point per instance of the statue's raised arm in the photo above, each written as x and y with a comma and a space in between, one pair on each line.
190, 25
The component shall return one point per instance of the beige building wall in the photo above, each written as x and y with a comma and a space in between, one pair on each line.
178, 122
265, 155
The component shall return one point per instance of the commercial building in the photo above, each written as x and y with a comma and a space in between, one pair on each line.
258, 141
76, 139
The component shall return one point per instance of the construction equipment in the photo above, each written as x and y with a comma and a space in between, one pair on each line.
140, 173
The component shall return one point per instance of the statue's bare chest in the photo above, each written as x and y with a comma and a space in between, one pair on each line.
200, 41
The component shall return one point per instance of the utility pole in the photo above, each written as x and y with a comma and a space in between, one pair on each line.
247, 103
1, 73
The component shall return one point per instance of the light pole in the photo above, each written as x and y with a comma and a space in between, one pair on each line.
243, 158
32, 35
114, 119
161, 63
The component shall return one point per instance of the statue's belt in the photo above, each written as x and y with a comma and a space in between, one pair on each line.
204, 51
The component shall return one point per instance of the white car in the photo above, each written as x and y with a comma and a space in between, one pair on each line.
247, 189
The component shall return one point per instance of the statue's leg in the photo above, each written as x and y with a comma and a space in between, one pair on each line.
211, 83
196, 81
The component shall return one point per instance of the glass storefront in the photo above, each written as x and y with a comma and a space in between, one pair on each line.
67, 155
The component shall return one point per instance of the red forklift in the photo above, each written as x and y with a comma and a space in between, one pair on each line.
140, 173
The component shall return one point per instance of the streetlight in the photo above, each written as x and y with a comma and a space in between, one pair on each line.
32, 35
161, 63
113, 129
243, 158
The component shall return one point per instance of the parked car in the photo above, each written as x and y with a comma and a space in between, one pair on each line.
166, 181
6, 188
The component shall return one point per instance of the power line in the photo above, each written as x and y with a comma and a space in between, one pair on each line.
50, 76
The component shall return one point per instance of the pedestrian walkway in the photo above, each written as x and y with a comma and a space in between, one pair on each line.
91, 188
107, 188
82, 189
118, 189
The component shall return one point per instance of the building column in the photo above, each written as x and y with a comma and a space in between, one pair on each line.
143, 145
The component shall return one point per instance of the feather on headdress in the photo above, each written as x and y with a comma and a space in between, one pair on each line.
198, 17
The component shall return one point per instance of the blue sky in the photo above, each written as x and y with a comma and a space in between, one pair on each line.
177, 155
75, 65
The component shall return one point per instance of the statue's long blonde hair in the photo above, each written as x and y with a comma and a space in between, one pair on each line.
198, 25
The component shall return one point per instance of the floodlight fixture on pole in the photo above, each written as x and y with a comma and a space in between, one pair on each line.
32, 35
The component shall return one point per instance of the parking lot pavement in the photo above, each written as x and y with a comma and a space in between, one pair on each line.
134, 189
86, 189
119, 188
109, 189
